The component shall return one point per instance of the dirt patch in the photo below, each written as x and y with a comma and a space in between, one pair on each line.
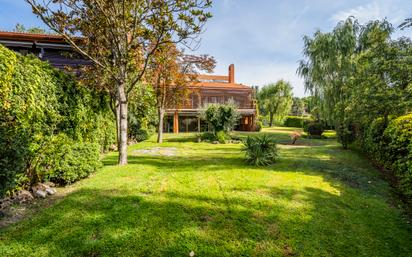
17, 212
157, 151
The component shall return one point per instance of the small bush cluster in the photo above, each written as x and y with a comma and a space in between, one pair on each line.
260, 150
295, 121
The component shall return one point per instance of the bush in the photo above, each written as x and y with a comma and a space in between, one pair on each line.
221, 117
399, 151
295, 121
314, 128
221, 136
374, 141
37, 102
66, 161
258, 126
260, 150
138, 134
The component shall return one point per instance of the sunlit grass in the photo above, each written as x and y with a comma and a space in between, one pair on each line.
318, 200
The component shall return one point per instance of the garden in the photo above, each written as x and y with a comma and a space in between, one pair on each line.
318, 199
87, 170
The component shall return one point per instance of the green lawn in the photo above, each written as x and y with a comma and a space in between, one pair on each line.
318, 200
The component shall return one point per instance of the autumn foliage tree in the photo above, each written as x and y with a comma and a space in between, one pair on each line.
120, 36
170, 73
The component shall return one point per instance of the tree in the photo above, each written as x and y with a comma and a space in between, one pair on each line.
36, 30
275, 99
298, 106
406, 24
356, 74
119, 38
328, 71
170, 73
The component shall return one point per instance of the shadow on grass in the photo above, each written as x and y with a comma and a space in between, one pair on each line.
336, 171
123, 223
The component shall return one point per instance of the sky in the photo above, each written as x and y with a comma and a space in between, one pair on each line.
263, 38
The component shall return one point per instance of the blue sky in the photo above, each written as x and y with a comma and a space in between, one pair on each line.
263, 38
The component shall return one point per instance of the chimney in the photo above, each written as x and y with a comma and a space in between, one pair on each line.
232, 74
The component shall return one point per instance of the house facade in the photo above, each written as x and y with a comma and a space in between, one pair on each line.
213, 89
208, 88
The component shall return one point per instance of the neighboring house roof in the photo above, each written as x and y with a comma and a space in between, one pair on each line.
41, 38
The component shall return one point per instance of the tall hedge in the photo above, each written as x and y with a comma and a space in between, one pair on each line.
399, 151
295, 121
389, 142
37, 103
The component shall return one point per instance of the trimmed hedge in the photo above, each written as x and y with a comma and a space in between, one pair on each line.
295, 121
66, 161
390, 144
398, 152
38, 102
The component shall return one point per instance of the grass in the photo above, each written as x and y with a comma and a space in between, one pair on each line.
318, 200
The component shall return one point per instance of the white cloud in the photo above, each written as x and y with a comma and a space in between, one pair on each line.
373, 11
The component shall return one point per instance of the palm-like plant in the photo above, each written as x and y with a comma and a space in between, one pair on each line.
260, 150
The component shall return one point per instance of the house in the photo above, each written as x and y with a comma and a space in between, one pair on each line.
208, 89
213, 89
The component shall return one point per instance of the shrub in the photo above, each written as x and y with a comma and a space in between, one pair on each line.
207, 136
399, 151
314, 128
374, 141
65, 161
138, 134
260, 150
221, 117
37, 102
221, 136
295, 135
258, 126
295, 121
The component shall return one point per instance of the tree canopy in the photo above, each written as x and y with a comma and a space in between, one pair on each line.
275, 99
120, 37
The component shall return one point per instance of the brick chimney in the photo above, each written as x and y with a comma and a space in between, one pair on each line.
232, 74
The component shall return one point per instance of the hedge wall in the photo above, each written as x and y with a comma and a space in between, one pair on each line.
390, 144
295, 121
39, 105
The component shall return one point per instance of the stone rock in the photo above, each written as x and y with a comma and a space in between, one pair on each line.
24, 196
215, 142
50, 191
40, 193
49, 184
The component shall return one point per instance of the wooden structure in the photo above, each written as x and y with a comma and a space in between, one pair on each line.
209, 89
50, 48
213, 89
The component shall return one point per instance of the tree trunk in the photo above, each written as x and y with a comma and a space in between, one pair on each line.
122, 125
161, 114
270, 119
117, 115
